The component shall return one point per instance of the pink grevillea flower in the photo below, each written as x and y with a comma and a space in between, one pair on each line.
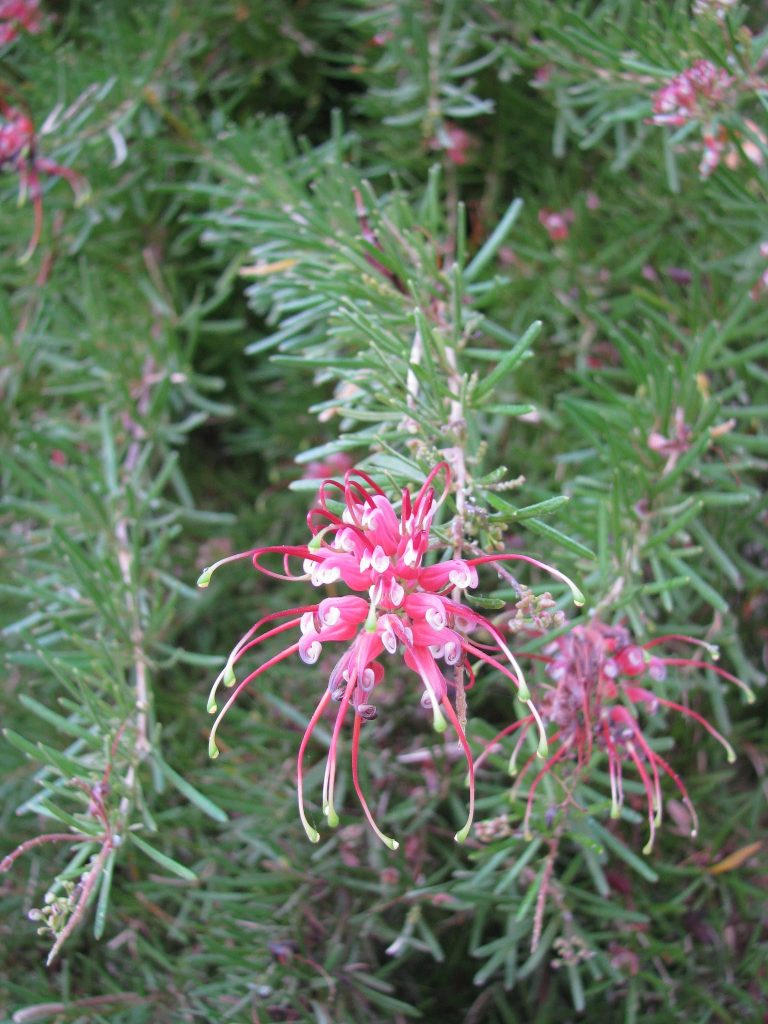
456, 143
16, 15
556, 223
691, 95
17, 152
593, 700
696, 94
399, 607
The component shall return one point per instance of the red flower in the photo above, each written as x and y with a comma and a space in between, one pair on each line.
556, 224
688, 95
16, 15
454, 141
593, 701
400, 607
17, 151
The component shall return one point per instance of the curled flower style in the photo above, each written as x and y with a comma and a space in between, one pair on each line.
399, 607
593, 700
17, 152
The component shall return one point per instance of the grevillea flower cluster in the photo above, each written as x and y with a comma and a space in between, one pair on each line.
17, 152
691, 95
696, 94
16, 15
403, 605
592, 702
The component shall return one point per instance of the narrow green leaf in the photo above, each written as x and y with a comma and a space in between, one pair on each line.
83, 826
542, 508
545, 942
65, 725
545, 530
508, 362
659, 537
623, 852
509, 409
517, 867
193, 795
431, 940
700, 585
108, 453
492, 245
332, 361
69, 768
163, 859
577, 989
489, 968
22, 744
485, 602
717, 554
102, 904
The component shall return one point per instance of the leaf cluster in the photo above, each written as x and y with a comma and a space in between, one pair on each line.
289, 253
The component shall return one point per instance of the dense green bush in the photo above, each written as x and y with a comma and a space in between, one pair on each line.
279, 240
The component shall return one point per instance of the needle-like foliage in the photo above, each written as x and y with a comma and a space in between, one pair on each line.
497, 273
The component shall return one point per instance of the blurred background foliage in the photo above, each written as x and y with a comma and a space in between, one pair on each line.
281, 198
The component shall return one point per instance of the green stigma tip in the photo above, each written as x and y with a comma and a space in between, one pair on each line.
578, 598
543, 748
528, 835
205, 577
391, 843
312, 834
523, 693
332, 816
463, 833
439, 722
615, 811
213, 750
316, 542
730, 756
750, 697
648, 847
212, 707
228, 677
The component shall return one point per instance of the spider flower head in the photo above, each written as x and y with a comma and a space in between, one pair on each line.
594, 693
402, 604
